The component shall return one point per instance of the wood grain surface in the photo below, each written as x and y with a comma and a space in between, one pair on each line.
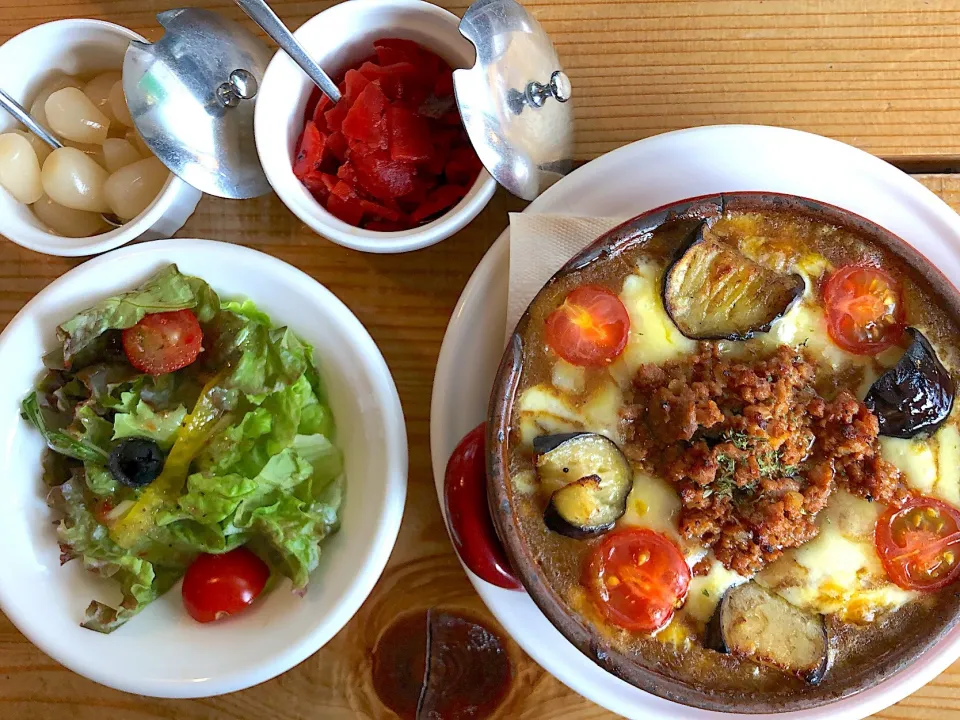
883, 75
887, 80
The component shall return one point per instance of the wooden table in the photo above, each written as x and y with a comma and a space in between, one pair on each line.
887, 80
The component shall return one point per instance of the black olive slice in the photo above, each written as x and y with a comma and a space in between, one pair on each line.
713, 292
754, 623
136, 462
915, 395
588, 480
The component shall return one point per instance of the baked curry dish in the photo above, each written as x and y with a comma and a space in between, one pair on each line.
725, 458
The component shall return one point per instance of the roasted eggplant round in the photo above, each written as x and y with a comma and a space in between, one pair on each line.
756, 624
713, 292
914, 396
588, 480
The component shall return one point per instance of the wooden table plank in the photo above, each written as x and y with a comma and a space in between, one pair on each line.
887, 80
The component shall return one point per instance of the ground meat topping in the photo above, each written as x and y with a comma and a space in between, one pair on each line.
753, 450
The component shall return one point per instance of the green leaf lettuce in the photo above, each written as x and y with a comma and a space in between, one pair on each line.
269, 477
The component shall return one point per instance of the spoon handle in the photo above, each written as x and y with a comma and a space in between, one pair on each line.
16, 109
263, 15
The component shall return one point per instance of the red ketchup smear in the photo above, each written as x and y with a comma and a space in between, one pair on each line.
393, 153
440, 665
465, 500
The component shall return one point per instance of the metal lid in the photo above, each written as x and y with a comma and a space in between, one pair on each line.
515, 101
191, 96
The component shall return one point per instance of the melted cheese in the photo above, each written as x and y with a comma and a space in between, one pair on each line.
930, 466
653, 503
705, 591
948, 482
677, 632
653, 336
525, 482
813, 264
568, 378
915, 459
805, 324
839, 571
543, 410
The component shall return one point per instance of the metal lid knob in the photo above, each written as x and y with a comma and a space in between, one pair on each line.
241, 86
515, 100
536, 94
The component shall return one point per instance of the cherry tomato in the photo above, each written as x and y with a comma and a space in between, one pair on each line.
864, 309
216, 586
163, 342
591, 327
919, 544
465, 500
637, 578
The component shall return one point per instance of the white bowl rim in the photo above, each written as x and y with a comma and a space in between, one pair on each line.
280, 174
386, 528
95, 244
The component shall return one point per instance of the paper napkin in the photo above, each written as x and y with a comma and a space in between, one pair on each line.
539, 246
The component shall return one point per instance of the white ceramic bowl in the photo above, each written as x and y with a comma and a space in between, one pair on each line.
338, 39
626, 182
162, 651
77, 47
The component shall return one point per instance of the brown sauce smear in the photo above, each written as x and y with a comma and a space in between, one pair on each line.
441, 665
399, 659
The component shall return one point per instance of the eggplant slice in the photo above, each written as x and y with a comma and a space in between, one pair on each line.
713, 292
546, 443
915, 395
753, 623
588, 480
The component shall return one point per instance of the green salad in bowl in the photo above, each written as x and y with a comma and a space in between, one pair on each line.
188, 437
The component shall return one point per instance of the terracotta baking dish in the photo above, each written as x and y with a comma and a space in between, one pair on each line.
582, 632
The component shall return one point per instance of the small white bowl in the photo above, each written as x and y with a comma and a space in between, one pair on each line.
338, 39
77, 47
163, 652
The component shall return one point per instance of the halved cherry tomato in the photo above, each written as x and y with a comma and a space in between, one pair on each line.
465, 500
864, 309
216, 586
163, 342
591, 327
637, 578
919, 544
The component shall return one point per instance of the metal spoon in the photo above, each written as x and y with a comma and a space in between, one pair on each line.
16, 109
267, 19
